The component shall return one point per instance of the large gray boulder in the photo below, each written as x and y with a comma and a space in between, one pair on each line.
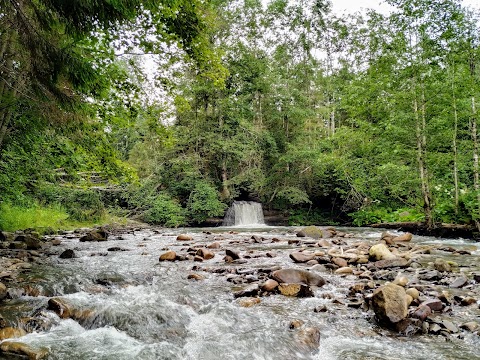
389, 303
297, 276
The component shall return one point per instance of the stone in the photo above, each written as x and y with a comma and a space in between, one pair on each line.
228, 259
297, 276
269, 285
184, 237
3, 291
381, 252
249, 291
401, 281
249, 301
422, 312
389, 303
11, 333
60, 307
476, 278
414, 293
404, 237
296, 290
214, 245
468, 300
196, 277
168, 256
235, 255
340, 262
21, 349
295, 324
56, 242
470, 326
324, 243
344, 271
96, 235
205, 254
408, 326
390, 263
67, 254
433, 304
442, 265
409, 300
198, 258
434, 328
459, 282
32, 242
309, 337
301, 257
447, 324
310, 231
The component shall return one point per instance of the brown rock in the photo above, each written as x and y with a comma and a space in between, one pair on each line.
414, 293
198, 258
404, 237
56, 242
3, 291
422, 312
380, 252
297, 290
442, 265
344, 271
168, 256
196, 277
22, 349
10, 333
249, 301
401, 281
433, 304
390, 304
233, 254
340, 261
184, 237
295, 324
205, 254
214, 245
297, 276
60, 307
269, 285
96, 235
324, 243
301, 257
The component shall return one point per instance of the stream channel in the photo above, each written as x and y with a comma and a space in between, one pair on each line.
146, 309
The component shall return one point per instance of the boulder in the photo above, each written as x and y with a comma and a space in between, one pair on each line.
422, 312
302, 257
168, 256
340, 261
296, 290
21, 349
380, 252
297, 276
459, 282
269, 285
205, 254
31, 241
389, 303
414, 293
67, 254
344, 271
324, 243
404, 237
96, 235
214, 245
442, 265
310, 231
60, 307
235, 255
184, 237
10, 333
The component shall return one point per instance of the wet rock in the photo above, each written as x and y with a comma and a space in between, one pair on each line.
59, 306
205, 254
3, 291
269, 285
301, 257
297, 276
184, 237
67, 254
404, 237
442, 265
344, 271
96, 235
470, 326
389, 303
11, 333
459, 282
214, 245
168, 256
249, 301
249, 291
309, 337
196, 277
433, 304
23, 350
296, 290
380, 252
234, 255
422, 312
310, 231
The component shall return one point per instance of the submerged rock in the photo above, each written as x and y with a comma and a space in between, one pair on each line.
389, 303
297, 276
11, 333
21, 349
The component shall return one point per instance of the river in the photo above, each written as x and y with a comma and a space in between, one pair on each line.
146, 309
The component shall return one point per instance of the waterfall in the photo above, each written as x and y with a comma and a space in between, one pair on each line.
244, 213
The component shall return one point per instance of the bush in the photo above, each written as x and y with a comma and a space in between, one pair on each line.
371, 216
14, 217
203, 203
165, 211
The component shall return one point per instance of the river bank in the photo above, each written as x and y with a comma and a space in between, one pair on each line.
81, 291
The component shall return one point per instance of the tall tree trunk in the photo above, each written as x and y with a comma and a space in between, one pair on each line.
476, 185
455, 148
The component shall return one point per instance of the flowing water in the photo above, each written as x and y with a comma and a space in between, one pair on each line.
145, 309
244, 213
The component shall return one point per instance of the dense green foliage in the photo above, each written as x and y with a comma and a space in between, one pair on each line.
362, 119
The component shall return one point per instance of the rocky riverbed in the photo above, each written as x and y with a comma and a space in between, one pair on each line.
272, 293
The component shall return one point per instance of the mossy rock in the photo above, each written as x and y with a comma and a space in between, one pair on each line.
311, 231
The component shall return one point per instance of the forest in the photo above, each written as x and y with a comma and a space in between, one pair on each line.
168, 111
